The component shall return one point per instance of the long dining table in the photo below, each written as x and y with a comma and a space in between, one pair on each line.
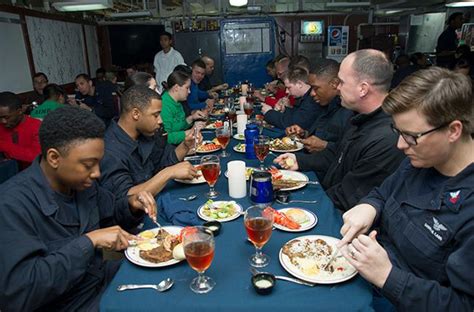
230, 268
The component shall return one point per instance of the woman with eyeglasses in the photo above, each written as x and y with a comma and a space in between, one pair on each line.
413, 237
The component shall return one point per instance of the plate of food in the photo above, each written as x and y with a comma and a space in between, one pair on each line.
207, 147
287, 180
157, 249
221, 211
239, 148
239, 137
248, 172
198, 180
217, 112
295, 220
306, 257
214, 124
285, 145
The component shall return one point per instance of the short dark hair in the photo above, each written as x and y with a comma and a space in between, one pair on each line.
453, 16
132, 66
40, 74
177, 78
10, 100
138, 79
69, 125
167, 34
198, 63
85, 76
100, 70
53, 91
327, 68
295, 74
137, 97
183, 68
374, 66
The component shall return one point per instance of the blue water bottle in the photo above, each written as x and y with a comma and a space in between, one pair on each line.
250, 133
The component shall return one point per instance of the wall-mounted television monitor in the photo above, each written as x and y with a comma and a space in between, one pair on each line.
312, 28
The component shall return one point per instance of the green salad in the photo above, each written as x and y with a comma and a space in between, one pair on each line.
219, 210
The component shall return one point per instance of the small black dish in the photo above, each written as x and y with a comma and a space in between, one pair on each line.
214, 227
282, 196
263, 283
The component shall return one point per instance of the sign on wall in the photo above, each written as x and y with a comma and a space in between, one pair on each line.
338, 42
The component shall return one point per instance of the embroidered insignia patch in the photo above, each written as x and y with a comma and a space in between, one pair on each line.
454, 196
437, 230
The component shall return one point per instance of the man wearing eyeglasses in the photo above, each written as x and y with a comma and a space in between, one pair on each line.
367, 152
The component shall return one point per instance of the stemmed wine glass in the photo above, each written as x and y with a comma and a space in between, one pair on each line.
210, 168
198, 244
258, 224
248, 109
261, 145
223, 135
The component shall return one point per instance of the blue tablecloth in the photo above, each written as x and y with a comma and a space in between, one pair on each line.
230, 267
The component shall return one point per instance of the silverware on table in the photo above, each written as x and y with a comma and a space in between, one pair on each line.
297, 201
164, 285
285, 278
189, 198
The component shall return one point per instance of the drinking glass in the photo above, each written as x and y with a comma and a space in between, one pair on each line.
261, 145
198, 244
210, 168
258, 224
248, 109
223, 135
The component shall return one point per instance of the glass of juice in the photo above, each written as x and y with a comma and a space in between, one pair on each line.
210, 168
198, 244
223, 135
258, 223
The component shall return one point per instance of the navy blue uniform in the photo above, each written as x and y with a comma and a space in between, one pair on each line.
365, 156
303, 113
127, 162
47, 262
331, 122
426, 223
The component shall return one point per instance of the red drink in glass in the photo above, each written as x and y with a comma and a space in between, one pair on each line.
261, 151
259, 231
210, 172
232, 116
248, 110
223, 140
199, 255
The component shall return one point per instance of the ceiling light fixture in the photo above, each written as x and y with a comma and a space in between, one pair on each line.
130, 14
83, 5
460, 4
347, 4
238, 3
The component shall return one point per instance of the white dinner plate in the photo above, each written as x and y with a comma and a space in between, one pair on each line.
205, 152
239, 137
296, 176
343, 271
133, 253
309, 224
238, 212
299, 147
235, 148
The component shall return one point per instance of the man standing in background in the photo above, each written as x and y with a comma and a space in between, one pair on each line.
166, 60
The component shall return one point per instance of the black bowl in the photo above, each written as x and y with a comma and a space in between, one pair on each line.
263, 283
213, 226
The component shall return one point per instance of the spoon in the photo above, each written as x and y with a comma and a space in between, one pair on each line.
164, 285
284, 278
189, 198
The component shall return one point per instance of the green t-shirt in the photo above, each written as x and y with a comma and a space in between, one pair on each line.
174, 119
41, 111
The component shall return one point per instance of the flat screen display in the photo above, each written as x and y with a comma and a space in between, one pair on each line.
312, 27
